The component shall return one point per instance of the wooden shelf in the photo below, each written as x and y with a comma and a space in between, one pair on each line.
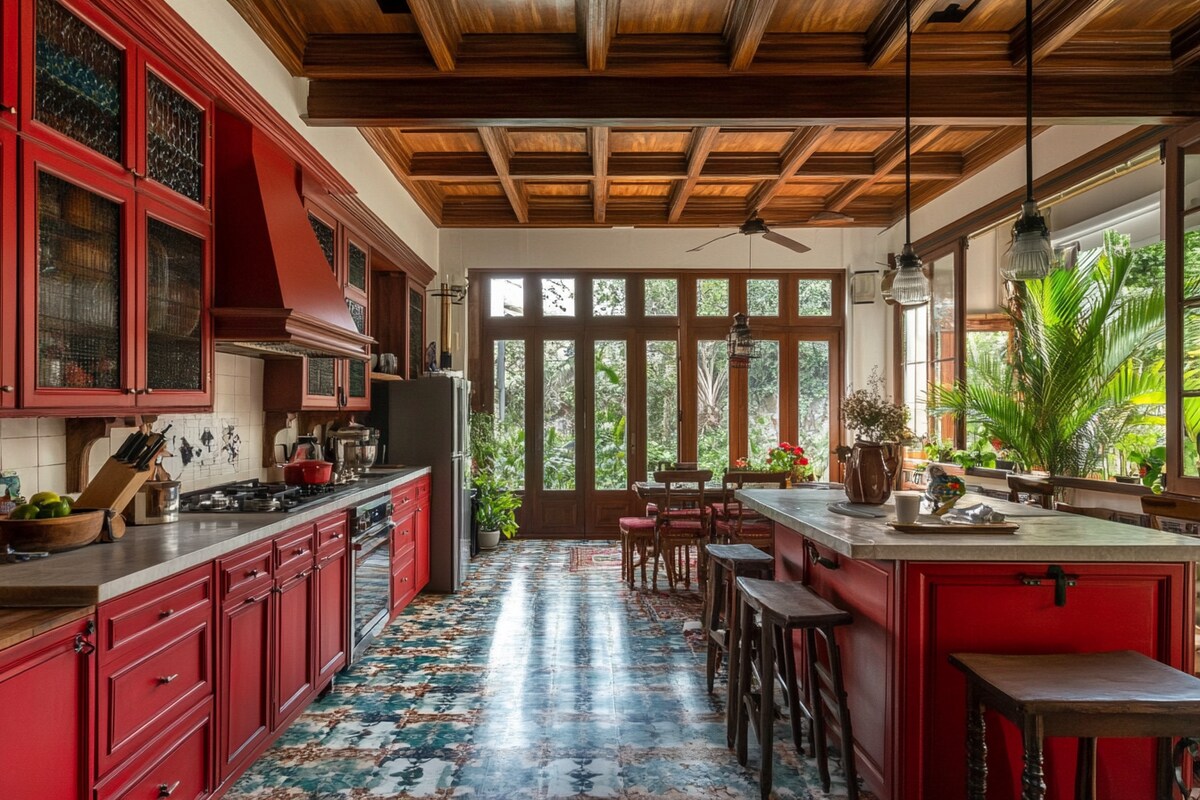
383, 376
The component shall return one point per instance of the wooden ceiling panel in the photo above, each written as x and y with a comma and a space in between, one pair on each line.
442, 141
752, 141
549, 140
990, 16
824, 16
958, 140
527, 16
639, 189
472, 189
544, 189
858, 140
808, 188
722, 189
651, 141
346, 16
1144, 15
673, 16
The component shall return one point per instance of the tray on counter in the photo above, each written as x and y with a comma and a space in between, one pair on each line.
929, 524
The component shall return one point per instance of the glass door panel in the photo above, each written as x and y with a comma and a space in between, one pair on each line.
610, 444
416, 333
558, 415
175, 269
662, 403
322, 380
813, 379
175, 139
712, 405
762, 417
508, 409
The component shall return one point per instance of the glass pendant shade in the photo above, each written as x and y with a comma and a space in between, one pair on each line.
910, 287
740, 341
1031, 254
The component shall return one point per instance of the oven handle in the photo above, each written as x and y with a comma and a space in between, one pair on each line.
374, 538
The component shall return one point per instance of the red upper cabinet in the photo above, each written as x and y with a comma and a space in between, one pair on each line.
8, 268
10, 37
356, 278
175, 143
79, 90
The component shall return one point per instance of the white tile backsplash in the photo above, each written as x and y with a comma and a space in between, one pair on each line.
18, 428
15, 453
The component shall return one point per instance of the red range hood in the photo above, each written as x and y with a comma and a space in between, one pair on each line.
275, 293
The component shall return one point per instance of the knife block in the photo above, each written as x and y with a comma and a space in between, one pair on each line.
113, 487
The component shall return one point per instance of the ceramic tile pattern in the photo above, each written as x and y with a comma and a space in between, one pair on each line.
545, 678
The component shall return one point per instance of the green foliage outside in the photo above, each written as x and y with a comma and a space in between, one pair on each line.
495, 504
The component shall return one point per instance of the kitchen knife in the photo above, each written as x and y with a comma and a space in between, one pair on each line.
157, 442
126, 449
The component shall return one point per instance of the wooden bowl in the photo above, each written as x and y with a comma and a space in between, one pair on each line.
51, 535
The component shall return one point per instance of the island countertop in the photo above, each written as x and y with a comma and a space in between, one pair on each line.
145, 554
1043, 535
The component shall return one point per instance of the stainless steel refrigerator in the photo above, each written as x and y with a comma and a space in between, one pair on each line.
424, 422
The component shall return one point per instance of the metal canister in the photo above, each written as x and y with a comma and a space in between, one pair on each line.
157, 502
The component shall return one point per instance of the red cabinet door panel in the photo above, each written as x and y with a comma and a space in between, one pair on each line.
244, 713
421, 536
403, 540
404, 498
333, 592
332, 534
179, 770
294, 551
404, 583
8, 254
295, 671
248, 571
143, 618
141, 698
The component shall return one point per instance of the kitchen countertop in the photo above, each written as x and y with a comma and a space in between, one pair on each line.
19, 624
1043, 535
148, 553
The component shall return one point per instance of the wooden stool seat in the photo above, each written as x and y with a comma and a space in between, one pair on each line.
1085, 695
637, 538
786, 607
733, 554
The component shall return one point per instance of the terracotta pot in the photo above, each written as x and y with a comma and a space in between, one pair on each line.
869, 472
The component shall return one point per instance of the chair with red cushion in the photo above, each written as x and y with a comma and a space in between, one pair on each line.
733, 523
682, 523
637, 539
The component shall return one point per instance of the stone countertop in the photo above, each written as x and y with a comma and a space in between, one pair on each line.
148, 553
1043, 535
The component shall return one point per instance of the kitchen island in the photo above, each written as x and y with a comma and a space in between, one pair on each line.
1061, 583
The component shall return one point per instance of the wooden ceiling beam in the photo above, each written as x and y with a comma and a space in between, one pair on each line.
278, 28
1056, 22
889, 156
701, 145
598, 147
744, 30
596, 25
440, 29
392, 152
803, 144
751, 100
885, 36
1185, 44
495, 141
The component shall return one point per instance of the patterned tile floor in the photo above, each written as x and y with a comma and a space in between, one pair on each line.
544, 678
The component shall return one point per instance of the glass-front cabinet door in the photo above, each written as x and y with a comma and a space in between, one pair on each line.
356, 387
176, 151
176, 368
80, 70
10, 36
8, 268
77, 289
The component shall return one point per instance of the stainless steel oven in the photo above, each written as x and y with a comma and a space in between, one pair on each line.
370, 579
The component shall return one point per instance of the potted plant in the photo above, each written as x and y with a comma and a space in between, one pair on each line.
495, 510
879, 426
789, 458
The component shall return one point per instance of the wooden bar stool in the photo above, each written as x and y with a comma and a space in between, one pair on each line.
637, 538
1086, 695
785, 607
727, 563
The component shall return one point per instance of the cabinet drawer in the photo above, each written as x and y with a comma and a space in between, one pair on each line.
405, 499
246, 571
404, 582
149, 614
332, 534
403, 540
294, 550
423, 484
149, 693
178, 771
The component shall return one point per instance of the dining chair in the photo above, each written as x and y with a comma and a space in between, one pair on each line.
1109, 514
733, 522
1174, 514
682, 523
663, 466
1037, 492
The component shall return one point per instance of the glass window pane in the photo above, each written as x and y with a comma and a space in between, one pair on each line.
610, 429
662, 297
509, 411
814, 297
507, 297
662, 403
762, 424
558, 414
942, 308
762, 297
608, 297
712, 405
558, 297
812, 428
712, 297
1191, 253
1191, 435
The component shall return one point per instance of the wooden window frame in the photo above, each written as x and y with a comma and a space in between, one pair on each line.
1185, 141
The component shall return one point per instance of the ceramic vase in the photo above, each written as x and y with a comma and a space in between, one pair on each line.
870, 471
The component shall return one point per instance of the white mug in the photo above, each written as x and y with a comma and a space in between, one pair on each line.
908, 507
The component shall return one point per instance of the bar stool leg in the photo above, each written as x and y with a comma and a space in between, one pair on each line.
1165, 783
1085, 769
712, 618
976, 746
766, 705
1033, 785
820, 748
788, 651
849, 765
739, 716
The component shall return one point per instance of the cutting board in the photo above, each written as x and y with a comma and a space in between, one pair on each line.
948, 527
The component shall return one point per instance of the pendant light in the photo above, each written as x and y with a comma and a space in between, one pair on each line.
740, 341
910, 287
1030, 255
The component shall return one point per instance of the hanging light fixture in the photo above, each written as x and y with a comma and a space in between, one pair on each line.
910, 286
1030, 255
740, 341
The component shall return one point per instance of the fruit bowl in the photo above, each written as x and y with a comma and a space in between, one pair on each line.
52, 535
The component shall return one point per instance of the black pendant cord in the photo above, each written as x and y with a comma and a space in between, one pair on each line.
1029, 100
908, 121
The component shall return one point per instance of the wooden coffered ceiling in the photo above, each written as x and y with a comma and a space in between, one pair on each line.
705, 112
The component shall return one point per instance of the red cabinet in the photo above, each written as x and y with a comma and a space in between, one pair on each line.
46, 701
8, 257
421, 535
410, 542
295, 652
10, 37
333, 597
175, 766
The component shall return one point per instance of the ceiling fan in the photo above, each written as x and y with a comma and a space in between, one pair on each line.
756, 225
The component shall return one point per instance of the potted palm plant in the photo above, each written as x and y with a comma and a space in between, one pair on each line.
495, 510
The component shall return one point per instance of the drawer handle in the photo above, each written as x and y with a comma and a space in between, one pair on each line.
815, 557
250, 600
165, 679
336, 535
166, 791
252, 573
166, 612
299, 551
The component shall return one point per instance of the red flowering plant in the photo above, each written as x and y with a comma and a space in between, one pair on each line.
786, 457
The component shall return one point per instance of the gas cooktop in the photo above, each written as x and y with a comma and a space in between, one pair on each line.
254, 496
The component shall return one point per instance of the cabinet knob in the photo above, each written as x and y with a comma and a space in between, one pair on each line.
252, 573
300, 551
148, 390
165, 791
165, 679
166, 612
7, 389
10, 109
131, 390
336, 535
